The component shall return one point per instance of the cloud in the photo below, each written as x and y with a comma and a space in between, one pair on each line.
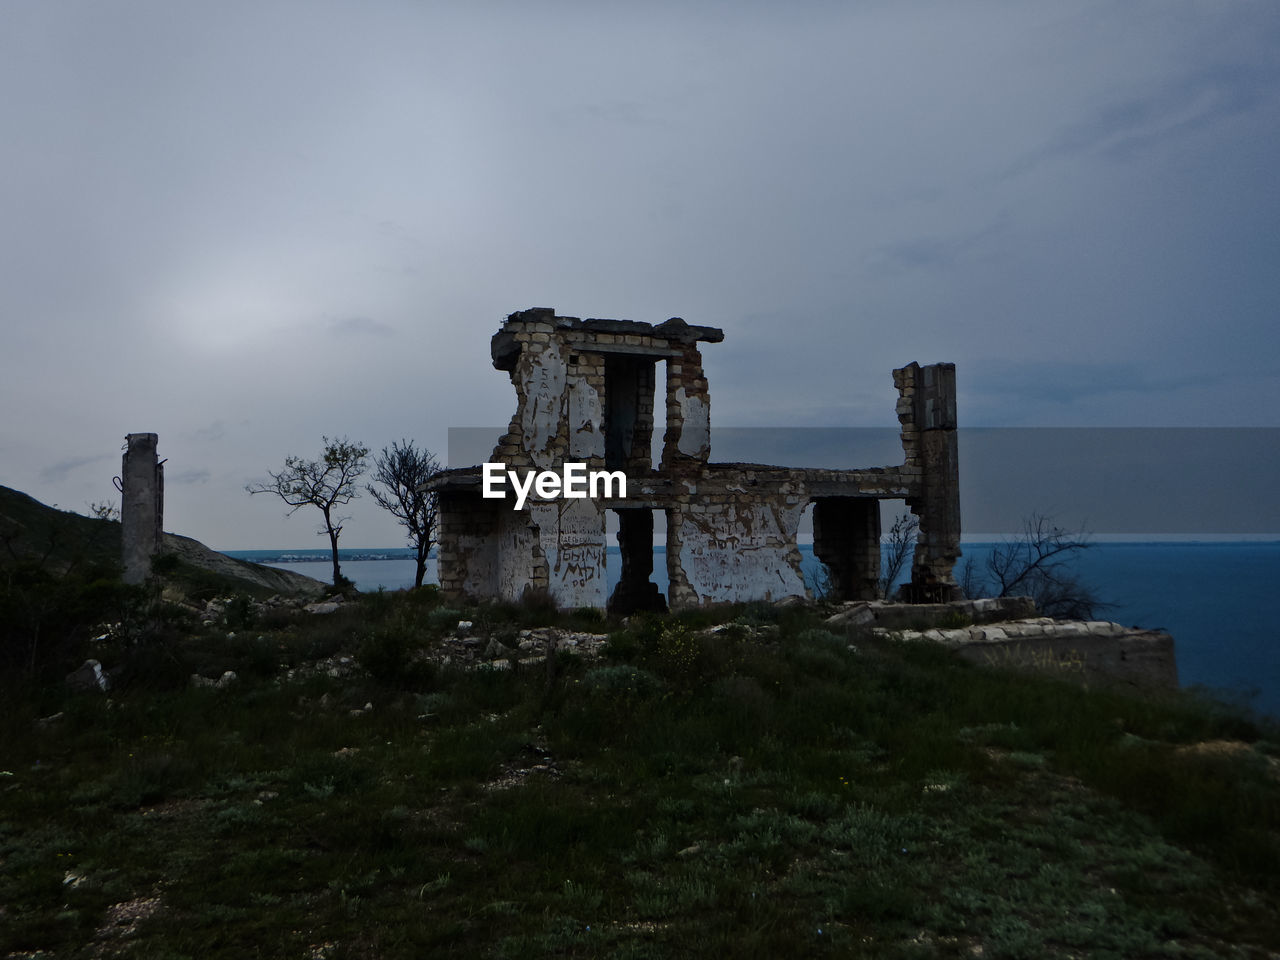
932, 252
1124, 128
214, 431
826, 183
58, 472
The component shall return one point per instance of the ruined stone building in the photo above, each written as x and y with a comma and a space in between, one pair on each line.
585, 394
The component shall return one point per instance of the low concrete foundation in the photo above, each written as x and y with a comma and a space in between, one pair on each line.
1005, 632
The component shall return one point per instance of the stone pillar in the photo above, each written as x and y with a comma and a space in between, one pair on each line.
937, 502
635, 590
142, 506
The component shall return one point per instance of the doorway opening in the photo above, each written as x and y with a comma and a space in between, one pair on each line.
636, 591
846, 537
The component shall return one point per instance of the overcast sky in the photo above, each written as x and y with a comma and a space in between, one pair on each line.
242, 225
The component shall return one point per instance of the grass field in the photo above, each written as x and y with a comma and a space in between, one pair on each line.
770, 789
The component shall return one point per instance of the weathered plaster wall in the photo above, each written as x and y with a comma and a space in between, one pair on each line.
728, 541
687, 441
586, 408
521, 563
571, 534
467, 553
542, 381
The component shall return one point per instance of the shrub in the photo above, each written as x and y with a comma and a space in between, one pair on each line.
624, 681
391, 652
239, 613
385, 654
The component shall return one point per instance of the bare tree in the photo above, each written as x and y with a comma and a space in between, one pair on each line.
1039, 564
325, 483
106, 510
402, 470
898, 549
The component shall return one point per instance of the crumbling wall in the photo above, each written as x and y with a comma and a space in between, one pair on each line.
556, 546
586, 392
846, 537
687, 441
521, 562
927, 412
729, 542
141, 506
467, 547
636, 590
628, 412
571, 534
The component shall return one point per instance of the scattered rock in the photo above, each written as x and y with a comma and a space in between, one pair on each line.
108, 631
122, 919
73, 880
88, 676
227, 679
855, 614
792, 600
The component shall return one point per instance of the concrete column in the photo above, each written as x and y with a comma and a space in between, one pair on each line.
938, 502
142, 506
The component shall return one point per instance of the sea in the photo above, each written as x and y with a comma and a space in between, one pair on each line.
1217, 599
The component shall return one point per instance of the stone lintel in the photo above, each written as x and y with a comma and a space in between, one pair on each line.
505, 347
587, 344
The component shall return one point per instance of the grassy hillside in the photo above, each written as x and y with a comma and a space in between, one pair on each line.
60, 584
368, 788
59, 539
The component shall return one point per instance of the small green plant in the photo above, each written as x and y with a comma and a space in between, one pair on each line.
239, 613
390, 653
622, 681
678, 650
954, 620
